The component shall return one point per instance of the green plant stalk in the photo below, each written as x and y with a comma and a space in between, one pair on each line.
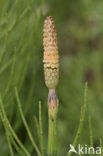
82, 116
83, 109
37, 126
52, 130
25, 124
11, 129
16, 147
7, 134
52, 138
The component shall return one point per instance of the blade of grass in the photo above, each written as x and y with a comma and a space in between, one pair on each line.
25, 123
83, 109
11, 129
42, 144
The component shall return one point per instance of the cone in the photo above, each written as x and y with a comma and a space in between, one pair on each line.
51, 57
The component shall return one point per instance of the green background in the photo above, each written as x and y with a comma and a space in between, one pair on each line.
79, 27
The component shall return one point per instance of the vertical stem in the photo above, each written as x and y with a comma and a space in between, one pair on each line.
7, 133
82, 117
25, 123
55, 136
52, 131
51, 72
52, 138
11, 129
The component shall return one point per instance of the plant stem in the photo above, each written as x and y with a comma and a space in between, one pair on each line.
7, 134
11, 129
16, 147
25, 124
52, 114
82, 117
52, 137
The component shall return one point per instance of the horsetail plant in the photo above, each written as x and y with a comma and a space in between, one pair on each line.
51, 72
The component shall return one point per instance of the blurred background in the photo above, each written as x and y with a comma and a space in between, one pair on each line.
79, 27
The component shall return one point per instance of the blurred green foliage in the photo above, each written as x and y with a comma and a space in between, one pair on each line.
80, 37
